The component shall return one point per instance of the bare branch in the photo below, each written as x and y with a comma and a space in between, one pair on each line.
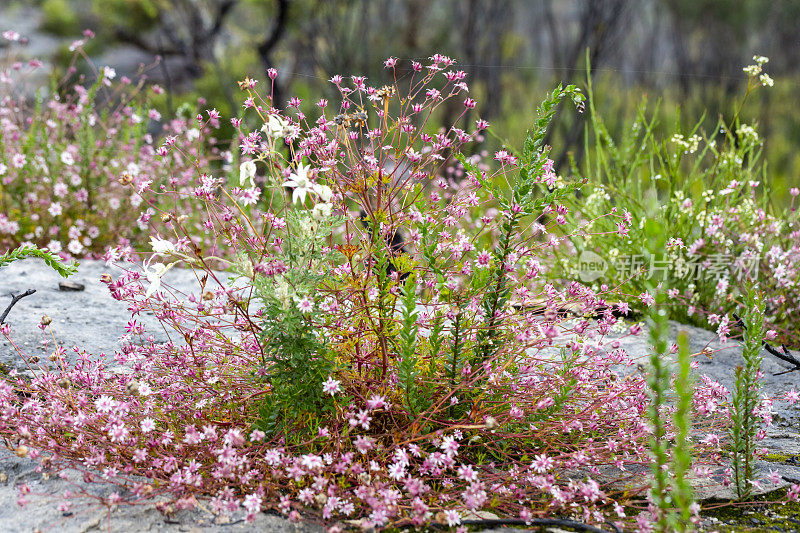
14, 300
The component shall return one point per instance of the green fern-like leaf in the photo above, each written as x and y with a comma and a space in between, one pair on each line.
52, 260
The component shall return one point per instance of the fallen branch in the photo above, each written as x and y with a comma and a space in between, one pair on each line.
577, 526
14, 300
785, 356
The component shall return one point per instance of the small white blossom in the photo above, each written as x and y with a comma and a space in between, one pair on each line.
300, 182
161, 246
276, 126
247, 171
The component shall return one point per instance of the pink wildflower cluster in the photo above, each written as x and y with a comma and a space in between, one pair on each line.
442, 374
75, 165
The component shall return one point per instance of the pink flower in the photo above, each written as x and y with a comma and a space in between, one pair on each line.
647, 299
452, 517
306, 305
504, 157
542, 464
484, 259
792, 396
105, 404
331, 386
364, 444
148, 425
376, 402
252, 503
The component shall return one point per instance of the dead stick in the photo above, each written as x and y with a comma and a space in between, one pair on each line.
14, 300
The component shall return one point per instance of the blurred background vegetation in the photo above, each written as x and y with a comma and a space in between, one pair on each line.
687, 54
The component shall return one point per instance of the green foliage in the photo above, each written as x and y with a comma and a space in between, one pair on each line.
297, 364
52, 260
407, 367
658, 381
60, 18
744, 422
713, 195
526, 198
671, 491
682, 492
296, 358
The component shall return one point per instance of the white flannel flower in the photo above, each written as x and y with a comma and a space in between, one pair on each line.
321, 211
161, 246
325, 193
154, 275
275, 127
247, 171
300, 182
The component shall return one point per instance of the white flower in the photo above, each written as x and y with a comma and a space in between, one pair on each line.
75, 247
275, 127
109, 73
300, 182
766, 81
161, 246
154, 275
325, 193
67, 158
247, 171
321, 211
452, 517
54, 246
148, 425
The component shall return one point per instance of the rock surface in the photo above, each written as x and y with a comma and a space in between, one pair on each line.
93, 321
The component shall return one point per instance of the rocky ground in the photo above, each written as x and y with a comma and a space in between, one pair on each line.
92, 320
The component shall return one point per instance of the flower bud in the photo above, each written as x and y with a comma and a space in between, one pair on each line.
125, 179
46, 320
21, 451
105, 278
491, 422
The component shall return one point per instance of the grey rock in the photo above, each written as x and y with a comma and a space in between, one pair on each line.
71, 286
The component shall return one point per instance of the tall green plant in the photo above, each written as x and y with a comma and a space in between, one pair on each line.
744, 423
527, 196
671, 491
682, 492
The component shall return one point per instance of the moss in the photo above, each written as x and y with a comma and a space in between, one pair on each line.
768, 512
778, 457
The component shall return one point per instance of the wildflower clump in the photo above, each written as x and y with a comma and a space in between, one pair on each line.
387, 350
718, 203
77, 159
